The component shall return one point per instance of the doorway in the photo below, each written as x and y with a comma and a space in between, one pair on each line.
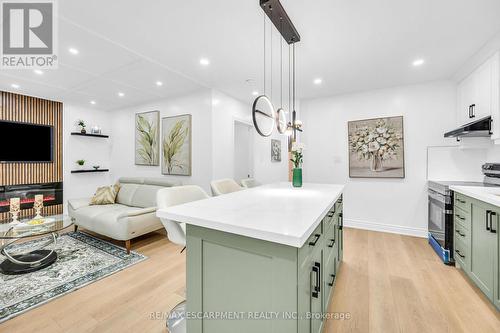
243, 150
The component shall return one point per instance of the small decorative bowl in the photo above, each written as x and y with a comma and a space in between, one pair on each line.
96, 167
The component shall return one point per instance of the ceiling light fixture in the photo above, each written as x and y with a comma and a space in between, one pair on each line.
92, 102
418, 62
204, 62
318, 81
159, 83
261, 112
121, 94
38, 71
72, 50
15, 85
255, 93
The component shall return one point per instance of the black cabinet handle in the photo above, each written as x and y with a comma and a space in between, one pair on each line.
333, 280
315, 289
488, 219
341, 220
458, 252
316, 238
473, 106
460, 217
461, 201
318, 277
491, 222
332, 243
458, 232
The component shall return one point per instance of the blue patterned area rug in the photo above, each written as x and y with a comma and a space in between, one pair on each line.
82, 259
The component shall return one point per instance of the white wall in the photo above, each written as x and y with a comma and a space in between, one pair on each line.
225, 111
394, 205
95, 151
123, 138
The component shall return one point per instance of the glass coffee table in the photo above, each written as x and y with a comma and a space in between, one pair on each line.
37, 258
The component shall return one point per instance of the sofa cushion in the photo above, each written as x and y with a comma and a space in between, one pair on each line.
145, 196
90, 212
126, 193
160, 182
105, 195
131, 180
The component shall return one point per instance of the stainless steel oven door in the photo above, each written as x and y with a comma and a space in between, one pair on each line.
438, 205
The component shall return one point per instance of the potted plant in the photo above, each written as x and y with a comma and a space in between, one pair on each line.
82, 125
296, 159
80, 163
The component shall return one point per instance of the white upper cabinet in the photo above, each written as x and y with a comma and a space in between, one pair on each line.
479, 95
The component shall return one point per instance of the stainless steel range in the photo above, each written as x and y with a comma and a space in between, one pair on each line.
440, 222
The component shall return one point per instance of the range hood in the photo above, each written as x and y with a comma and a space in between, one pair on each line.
477, 128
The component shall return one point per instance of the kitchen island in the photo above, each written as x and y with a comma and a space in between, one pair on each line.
263, 259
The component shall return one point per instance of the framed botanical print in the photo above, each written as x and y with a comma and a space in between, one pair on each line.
275, 150
147, 134
176, 145
376, 148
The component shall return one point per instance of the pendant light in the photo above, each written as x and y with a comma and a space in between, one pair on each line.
263, 114
281, 122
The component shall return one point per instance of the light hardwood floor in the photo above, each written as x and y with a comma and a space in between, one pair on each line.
387, 283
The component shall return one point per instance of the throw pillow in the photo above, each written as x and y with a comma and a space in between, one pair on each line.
105, 195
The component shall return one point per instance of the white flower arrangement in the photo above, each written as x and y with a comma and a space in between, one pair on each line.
383, 140
297, 156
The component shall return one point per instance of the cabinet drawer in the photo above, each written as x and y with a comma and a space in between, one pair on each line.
462, 217
314, 243
329, 219
338, 204
462, 202
462, 255
330, 245
461, 233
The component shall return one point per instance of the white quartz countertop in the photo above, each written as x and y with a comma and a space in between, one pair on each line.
489, 195
277, 212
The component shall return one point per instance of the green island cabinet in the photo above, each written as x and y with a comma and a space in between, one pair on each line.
477, 244
261, 286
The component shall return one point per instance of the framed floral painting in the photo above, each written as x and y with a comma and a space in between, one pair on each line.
376, 148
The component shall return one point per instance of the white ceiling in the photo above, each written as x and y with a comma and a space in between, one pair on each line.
127, 46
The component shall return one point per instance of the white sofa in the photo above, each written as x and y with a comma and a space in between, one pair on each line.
133, 214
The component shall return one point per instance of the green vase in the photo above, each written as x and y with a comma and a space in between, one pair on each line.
297, 177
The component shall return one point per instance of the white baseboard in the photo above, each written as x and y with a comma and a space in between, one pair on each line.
394, 229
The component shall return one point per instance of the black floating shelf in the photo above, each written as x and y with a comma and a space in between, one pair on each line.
89, 170
94, 135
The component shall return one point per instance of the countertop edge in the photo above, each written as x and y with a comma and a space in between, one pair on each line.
294, 241
485, 197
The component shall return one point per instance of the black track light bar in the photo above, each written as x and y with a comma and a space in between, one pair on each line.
277, 14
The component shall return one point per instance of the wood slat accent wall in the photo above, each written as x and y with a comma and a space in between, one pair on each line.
15, 107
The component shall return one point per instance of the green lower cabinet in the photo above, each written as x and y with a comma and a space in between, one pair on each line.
477, 244
482, 243
496, 273
231, 277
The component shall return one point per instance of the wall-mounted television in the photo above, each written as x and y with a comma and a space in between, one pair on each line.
25, 143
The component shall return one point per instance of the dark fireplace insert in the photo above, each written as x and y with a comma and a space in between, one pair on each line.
52, 194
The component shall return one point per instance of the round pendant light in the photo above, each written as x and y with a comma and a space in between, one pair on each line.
263, 115
281, 122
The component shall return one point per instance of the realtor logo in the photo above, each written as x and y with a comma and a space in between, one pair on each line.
28, 31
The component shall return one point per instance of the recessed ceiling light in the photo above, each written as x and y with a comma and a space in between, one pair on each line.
38, 71
15, 85
159, 83
418, 62
255, 93
204, 62
121, 94
92, 102
318, 81
72, 50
